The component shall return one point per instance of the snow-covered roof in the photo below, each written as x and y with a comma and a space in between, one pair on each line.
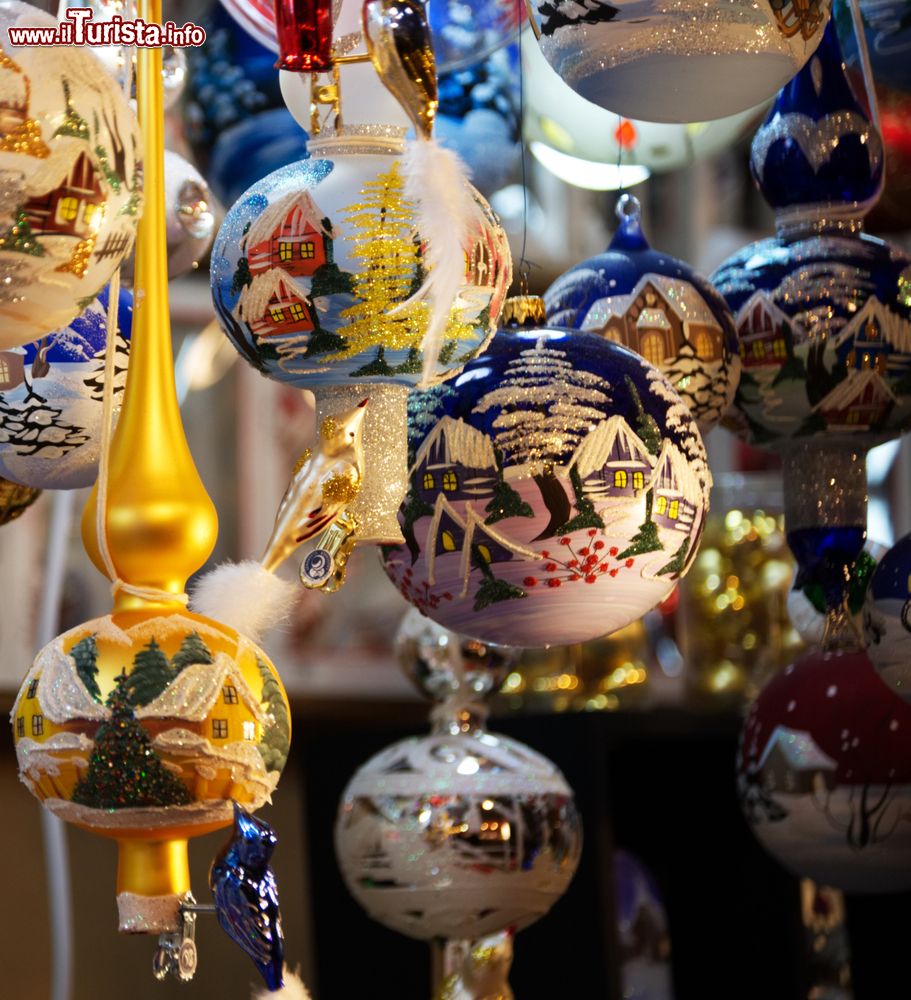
300, 207
761, 299
798, 749
61, 694
673, 470
193, 693
255, 298
896, 330
463, 445
851, 387
12, 83
681, 297
595, 450
48, 174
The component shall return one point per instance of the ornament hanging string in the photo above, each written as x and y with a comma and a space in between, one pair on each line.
107, 418
525, 265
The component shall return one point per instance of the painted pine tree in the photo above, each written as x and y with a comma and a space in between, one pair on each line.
192, 650
150, 675
546, 406
85, 656
678, 561
586, 516
491, 589
124, 771
506, 501
646, 538
19, 238
276, 741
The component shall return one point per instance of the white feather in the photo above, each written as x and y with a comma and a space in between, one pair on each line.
437, 181
245, 596
293, 989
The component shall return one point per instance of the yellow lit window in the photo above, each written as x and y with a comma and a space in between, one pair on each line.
4, 370
296, 310
620, 479
278, 315
285, 251
661, 506
638, 480
93, 216
229, 691
674, 512
613, 335
428, 481
37, 725
32, 689
220, 729
484, 553
450, 481
20, 726
449, 544
67, 209
758, 349
705, 346
308, 250
780, 349
853, 417
249, 730
652, 348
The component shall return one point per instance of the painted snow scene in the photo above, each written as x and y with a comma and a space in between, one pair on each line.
824, 326
70, 182
313, 288
482, 816
670, 316
824, 774
154, 724
51, 399
558, 490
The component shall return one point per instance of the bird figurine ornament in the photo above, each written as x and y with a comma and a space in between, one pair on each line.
248, 595
478, 970
246, 895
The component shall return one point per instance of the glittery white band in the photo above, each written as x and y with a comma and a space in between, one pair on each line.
147, 914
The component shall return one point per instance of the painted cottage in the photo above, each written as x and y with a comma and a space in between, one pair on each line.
673, 482
12, 369
273, 306
792, 762
293, 234
457, 460
873, 337
761, 329
860, 401
612, 460
72, 202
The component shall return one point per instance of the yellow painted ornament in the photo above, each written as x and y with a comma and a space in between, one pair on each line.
145, 724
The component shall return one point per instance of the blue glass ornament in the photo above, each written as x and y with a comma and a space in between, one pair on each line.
246, 896
659, 307
558, 489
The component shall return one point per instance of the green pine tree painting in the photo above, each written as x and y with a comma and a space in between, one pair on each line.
586, 515
151, 674
492, 590
85, 656
678, 561
506, 501
20, 238
192, 650
276, 741
241, 277
124, 771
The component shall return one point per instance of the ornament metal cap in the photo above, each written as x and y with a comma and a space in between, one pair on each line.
523, 310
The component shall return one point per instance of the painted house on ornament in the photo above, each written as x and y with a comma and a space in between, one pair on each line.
793, 763
860, 401
12, 369
293, 234
657, 319
273, 306
762, 329
457, 460
72, 202
465, 538
673, 481
872, 336
612, 461
14, 88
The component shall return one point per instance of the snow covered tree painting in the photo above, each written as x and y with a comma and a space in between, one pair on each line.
552, 466
556, 14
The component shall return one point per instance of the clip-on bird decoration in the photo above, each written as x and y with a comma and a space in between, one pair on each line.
400, 47
247, 595
478, 970
246, 896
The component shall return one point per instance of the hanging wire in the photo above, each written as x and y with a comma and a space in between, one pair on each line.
523, 262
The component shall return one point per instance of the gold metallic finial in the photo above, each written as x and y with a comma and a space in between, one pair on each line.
523, 310
161, 523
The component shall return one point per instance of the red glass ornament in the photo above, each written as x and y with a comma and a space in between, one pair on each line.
304, 30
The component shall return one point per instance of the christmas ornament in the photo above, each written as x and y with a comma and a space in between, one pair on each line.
15, 500
888, 39
145, 724
191, 215
557, 118
246, 896
657, 306
822, 311
478, 970
458, 834
304, 32
887, 618
72, 189
824, 773
657, 63
557, 491
51, 399
319, 278
462, 33
642, 930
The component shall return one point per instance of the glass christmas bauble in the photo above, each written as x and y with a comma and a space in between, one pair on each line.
558, 489
310, 263
51, 395
457, 836
824, 773
443, 665
659, 307
673, 63
887, 618
72, 192
888, 35
144, 728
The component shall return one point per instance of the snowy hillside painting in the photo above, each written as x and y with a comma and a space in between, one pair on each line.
51, 399
558, 489
825, 338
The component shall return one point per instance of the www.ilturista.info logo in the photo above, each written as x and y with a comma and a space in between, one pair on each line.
80, 29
